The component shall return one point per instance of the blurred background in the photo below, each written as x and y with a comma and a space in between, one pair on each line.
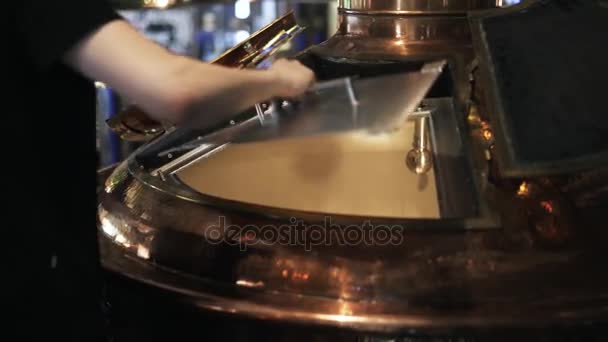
206, 30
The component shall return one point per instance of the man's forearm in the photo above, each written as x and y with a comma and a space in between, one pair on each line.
171, 87
212, 92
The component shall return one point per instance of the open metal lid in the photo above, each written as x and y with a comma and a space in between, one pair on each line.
542, 70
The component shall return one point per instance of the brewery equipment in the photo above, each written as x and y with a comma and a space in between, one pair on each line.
443, 223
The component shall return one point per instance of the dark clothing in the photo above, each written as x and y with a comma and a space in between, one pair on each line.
49, 144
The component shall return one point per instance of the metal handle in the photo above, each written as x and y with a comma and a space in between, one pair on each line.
420, 159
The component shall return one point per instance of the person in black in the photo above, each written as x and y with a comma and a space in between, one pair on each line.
55, 50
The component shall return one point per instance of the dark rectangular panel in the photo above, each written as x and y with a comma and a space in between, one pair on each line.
544, 72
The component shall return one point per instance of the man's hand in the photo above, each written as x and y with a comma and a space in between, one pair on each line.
293, 78
178, 89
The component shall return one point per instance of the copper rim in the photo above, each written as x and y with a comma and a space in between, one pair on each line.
413, 7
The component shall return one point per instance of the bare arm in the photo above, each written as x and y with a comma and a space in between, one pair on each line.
174, 88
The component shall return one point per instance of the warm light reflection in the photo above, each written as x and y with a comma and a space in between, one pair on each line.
398, 32
115, 229
294, 275
547, 206
524, 190
299, 276
247, 283
121, 239
487, 134
143, 252
108, 227
473, 116
345, 309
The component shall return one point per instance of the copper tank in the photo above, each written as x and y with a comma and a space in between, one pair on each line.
487, 253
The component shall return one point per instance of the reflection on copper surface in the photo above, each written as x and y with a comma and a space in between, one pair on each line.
247, 283
132, 195
473, 117
118, 176
108, 228
295, 275
547, 206
524, 190
299, 276
143, 252
123, 234
487, 134
121, 239
345, 309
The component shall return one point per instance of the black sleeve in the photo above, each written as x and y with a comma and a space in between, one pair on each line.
49, 29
